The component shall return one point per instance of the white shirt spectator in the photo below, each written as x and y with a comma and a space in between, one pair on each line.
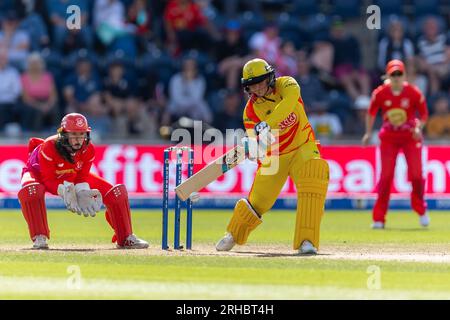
110, 13
434, 53
10, 85
187, 98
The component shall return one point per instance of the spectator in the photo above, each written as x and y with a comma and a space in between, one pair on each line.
395, 45
267, 44
438, 125
313, 93
16, 41
186, 95
112, 28
208, 10
230, 115
287, 62
152, 92
65, 39
347, 62
355, 124
140, 16
434, 54
10, 90
419, 80
117, 88
35, 27
232, 53
39, 96
187, 28
326, 126
138, 122
81, 93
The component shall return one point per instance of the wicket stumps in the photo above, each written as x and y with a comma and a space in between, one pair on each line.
177, 206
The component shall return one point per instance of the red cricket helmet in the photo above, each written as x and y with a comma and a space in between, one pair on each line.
74, 122
395, 65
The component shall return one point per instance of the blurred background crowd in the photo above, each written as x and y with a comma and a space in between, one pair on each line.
137, 68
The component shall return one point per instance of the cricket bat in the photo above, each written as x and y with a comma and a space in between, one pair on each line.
211, 172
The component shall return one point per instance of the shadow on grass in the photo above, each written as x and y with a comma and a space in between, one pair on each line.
406, 229
280, 254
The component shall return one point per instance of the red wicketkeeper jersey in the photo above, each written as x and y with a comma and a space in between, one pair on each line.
400, 111
52, 169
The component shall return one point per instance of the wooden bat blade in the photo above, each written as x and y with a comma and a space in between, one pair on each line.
210, 173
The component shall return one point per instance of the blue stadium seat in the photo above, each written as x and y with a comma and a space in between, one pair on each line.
289, 27
305, 7
251, 23
347, 9
426, 7
5, 6
389, 7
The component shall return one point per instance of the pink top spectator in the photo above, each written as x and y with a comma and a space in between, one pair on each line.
41, 89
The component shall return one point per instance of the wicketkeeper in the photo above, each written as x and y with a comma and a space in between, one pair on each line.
275, 112
404, 111
61, 166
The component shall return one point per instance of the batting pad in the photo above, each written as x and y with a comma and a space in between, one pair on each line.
32, 202
243, 221
311, 189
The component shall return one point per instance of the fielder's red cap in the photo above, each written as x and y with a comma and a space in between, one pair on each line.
395, 65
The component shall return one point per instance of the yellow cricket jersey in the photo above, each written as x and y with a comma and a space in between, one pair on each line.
284, 112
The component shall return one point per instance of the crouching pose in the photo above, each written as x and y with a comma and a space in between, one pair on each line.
61, 166
276, 107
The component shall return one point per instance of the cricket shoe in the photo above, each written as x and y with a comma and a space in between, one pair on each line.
40, 242
307, 248
424, 220
226, 243
378, 225
132, 242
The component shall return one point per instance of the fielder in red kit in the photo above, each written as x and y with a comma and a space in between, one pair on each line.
61, 166
404, 112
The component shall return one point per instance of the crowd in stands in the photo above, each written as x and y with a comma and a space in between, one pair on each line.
136, 67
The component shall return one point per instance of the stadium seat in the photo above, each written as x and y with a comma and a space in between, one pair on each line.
347, 9
251, 23
289, 27
305, 7
426, 7
389, 7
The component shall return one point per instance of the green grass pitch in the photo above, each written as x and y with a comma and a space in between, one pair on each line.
404, 261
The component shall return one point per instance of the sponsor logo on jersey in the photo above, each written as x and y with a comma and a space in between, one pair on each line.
289, 121
404, 103
388, 103
78, 165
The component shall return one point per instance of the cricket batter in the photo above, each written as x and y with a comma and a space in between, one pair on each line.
400, 102
275, 107
60, 165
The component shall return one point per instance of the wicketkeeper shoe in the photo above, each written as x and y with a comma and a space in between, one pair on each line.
226, 243
424, 220
132, 242
40, 242
307, 248
378, 225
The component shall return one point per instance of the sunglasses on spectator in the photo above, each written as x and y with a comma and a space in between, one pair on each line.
396, 74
